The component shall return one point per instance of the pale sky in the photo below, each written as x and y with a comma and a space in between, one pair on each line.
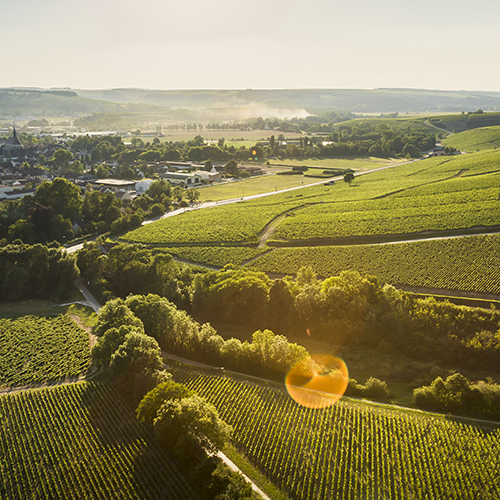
223, 44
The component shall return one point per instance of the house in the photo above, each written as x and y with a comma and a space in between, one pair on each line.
16, 194
177, 178
212, 176
116, 185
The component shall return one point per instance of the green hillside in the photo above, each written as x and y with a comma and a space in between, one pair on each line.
478, 139
445, 193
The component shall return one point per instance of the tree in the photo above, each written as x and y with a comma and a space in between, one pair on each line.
62, 155
191, 427
178, 193
348, 178
193, 195
153, 400
231, 168
63, 196
136, 353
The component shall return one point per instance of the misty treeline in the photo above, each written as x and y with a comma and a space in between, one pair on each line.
348, 310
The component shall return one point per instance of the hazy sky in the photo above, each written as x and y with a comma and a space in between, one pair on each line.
193, 44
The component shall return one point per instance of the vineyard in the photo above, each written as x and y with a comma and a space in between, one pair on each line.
216, 256
436, 194
470, 263
475, 139
353, 450
37, 349
80, 441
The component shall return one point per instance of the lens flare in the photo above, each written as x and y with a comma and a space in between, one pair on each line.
317, 382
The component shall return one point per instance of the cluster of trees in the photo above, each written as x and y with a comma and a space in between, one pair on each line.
49, 215
184, 423
35, 272
177, 332
349, 309
127, 269
458, 396
352, 310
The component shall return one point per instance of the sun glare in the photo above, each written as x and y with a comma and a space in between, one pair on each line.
317, 382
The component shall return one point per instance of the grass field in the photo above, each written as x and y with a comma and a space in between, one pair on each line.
353, 450
81, 441
270, 182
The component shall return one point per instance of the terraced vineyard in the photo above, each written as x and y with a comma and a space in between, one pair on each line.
354, 450
80, 441
470, 263
37, 349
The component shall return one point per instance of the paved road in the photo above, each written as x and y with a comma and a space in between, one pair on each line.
88, 296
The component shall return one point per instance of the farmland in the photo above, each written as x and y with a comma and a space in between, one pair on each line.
37, 349
435, 194
354, 450
476, 139
80, 441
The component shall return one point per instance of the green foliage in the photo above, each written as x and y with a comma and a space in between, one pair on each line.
115, 314
34, 350
403, 454
215, 480
63, 196
136, 353
457, 395
373, 389
190, 427
35, 272
234, 296
81, 441
153, 400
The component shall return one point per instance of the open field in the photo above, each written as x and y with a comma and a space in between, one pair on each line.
39, 349
81, 441
270, 182
353, 450
235, 137
478, 139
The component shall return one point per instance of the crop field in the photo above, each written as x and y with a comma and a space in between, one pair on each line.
447, 193
470, 263
217, 256
353, 450
36, 349
80, 441
475, 139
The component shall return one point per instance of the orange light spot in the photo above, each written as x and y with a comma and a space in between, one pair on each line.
317, 382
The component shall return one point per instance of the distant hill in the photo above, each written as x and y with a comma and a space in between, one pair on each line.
217, 105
